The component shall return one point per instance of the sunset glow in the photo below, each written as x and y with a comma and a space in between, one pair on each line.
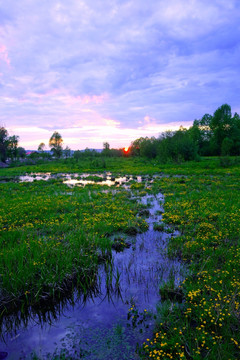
89, 74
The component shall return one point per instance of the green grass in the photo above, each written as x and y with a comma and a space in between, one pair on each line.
48, 234
206, 210
52, 237
137, 166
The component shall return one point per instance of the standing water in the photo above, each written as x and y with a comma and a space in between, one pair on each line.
112, 320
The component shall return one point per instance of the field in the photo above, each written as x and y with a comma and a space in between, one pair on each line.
204, 323
53, 237
51, 234
137, 166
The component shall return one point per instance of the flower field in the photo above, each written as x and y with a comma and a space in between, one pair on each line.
205, 324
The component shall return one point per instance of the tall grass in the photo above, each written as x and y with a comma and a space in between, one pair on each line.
52, 237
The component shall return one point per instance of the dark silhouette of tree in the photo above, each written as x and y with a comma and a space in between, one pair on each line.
106, 149
67, 152
3, 144
235, 135
106, 146
41, 147
21, 152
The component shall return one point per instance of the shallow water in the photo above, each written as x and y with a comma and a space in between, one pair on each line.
81, 180
102, 326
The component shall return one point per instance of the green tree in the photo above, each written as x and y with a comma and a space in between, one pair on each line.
136, 146
77, 155
177, 146
165, 146
217, 134
148, 147
221, 125
226, 147
55, 144
201, 134
12, 147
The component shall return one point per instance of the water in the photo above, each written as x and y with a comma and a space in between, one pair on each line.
81, 180
103, 326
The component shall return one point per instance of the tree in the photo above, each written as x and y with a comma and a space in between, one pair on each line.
106, 146
67, 152
21, 152
221, 125
12, 147
41, 147
77, 155
3, 144
235, 136
106, 149
202, 134
136, 145
148, 147
218, 134
177, 146
226, 147
55, 143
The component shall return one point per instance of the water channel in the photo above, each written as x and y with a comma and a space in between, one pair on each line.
118, 315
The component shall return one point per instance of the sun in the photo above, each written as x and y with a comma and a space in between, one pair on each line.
126, 149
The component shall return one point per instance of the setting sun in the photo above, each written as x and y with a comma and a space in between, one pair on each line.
126, 149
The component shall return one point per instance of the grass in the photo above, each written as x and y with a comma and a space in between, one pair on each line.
206, 210
44, 227
52, 237
134, 166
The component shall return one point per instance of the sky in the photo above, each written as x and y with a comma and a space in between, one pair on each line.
114, 70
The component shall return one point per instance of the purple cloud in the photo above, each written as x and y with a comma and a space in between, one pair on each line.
102, 68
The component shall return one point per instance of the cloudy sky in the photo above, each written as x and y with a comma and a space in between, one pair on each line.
114, 70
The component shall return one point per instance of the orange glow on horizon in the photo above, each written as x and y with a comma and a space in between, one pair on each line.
126, 149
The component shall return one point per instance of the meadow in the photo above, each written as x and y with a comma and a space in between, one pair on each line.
128, 165
200, 319
60, 234
53, 236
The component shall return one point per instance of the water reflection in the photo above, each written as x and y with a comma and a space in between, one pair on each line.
83, 179
128, 278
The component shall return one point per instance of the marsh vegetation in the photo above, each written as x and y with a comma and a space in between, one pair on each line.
54, 239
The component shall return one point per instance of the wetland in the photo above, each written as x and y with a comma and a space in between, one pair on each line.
145, 266
127, 266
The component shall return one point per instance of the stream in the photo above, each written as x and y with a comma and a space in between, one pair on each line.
117, 316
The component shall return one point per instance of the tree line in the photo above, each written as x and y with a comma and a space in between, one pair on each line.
217, 134
212, 135
8, 145
9, 148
